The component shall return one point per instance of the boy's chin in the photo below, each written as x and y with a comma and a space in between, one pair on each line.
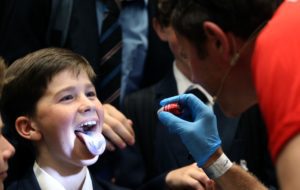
83, 153
94, 141
91, 161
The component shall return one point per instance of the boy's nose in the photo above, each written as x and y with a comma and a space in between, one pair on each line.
9, 150
86, 104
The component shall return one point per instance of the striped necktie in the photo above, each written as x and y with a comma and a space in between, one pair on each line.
109, 75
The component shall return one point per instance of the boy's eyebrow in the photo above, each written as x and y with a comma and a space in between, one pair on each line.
88, 85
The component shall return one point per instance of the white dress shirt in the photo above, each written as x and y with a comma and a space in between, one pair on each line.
183, 83
47, 182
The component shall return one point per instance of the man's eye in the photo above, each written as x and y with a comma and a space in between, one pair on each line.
66, 98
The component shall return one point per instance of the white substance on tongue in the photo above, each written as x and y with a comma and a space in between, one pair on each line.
94, 141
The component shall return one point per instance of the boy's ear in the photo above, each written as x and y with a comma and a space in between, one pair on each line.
217, 37
26, 129
159, 30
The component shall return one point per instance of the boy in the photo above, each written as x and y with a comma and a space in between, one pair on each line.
6, 152
6, 149
49, 105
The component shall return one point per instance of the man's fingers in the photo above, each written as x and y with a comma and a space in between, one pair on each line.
110, 146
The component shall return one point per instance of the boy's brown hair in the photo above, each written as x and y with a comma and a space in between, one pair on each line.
2, 71
163, 11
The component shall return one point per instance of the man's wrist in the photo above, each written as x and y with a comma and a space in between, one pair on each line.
219, 167
213, 157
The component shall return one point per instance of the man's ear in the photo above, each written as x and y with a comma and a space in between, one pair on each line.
159, 30
26, 129
218, 38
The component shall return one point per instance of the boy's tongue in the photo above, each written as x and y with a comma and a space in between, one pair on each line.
94, 141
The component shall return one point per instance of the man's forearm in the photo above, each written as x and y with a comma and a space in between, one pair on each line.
234, 178
237, 178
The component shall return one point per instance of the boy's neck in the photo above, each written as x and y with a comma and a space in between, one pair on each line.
70, 180
74, 181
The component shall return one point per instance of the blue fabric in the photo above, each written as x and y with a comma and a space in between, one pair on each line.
100, 10
134, 24
108, 82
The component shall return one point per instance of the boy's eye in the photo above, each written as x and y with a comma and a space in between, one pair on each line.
66, 98
91, 93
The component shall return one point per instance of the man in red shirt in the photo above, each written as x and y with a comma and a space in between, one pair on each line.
242, 52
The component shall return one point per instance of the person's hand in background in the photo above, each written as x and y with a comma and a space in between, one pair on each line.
189, 177
117, 128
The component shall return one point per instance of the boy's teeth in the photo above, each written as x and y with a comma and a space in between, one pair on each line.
89, 123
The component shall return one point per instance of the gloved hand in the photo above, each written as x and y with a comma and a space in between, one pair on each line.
200, 134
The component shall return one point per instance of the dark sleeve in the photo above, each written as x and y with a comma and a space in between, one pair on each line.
27, 181
157, 182
99, 184
251, 145
159, 59
23, 27
136, 163
131, 171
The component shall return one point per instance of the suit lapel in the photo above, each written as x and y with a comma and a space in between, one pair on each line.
172, 143
29, 181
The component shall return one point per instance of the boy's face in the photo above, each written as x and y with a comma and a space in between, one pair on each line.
171, 38
6, 152
69, 116
167, 34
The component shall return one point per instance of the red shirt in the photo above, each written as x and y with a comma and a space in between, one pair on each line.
276, 72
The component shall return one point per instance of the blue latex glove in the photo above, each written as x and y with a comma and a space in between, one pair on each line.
199, 133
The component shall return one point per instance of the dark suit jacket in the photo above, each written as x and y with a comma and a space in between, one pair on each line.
24, 28
25, 25
157, 151
159, 56
29, 181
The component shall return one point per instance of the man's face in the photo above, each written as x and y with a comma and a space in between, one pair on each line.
67, 112
232, 85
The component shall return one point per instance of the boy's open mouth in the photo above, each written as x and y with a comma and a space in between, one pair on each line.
86, 127
89, 134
